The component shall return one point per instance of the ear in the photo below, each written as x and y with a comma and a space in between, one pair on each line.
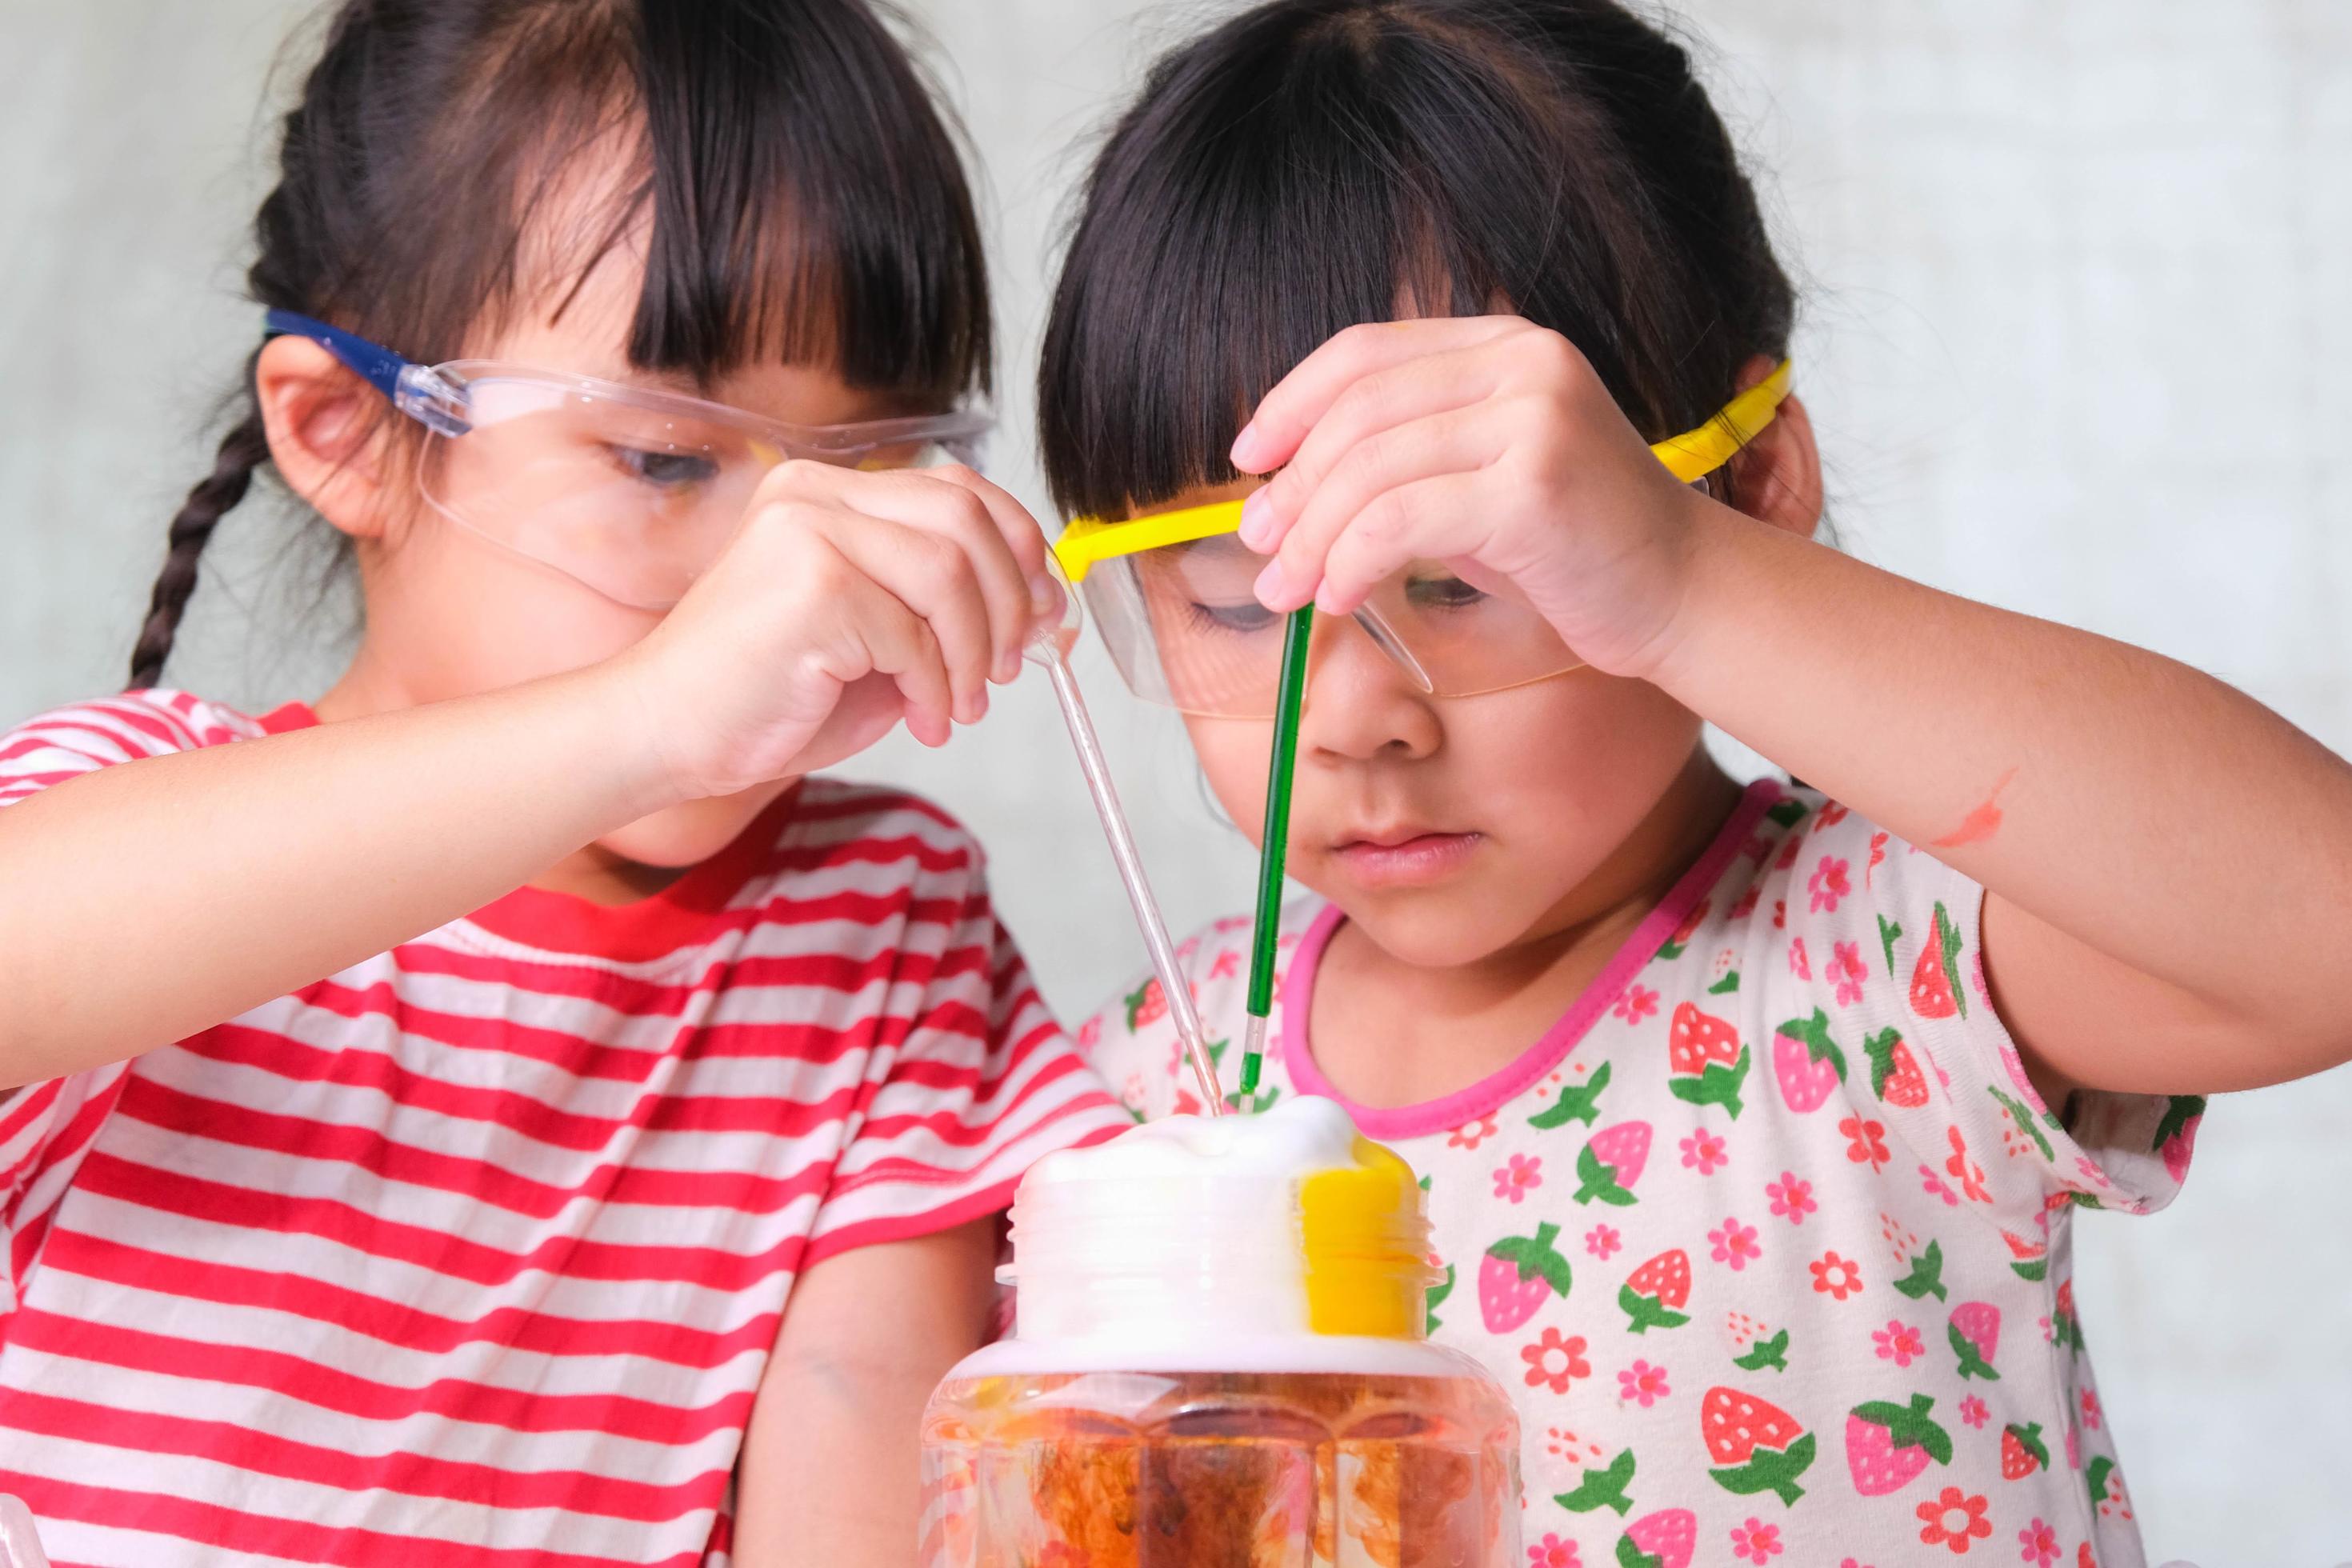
324, 424
1779, 474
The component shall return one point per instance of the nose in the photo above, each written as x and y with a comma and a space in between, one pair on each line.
1361, 704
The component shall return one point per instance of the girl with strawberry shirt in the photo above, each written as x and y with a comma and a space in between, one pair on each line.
503, 1111
1755, 1119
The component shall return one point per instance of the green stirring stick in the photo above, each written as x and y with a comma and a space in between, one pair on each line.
1274, 847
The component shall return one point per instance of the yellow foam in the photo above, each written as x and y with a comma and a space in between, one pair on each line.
1361, 1277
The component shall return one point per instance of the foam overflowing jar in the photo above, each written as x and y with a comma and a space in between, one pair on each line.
1220, 1357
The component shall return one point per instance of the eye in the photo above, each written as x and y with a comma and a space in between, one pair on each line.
1441, 593
1241, 619
665, 471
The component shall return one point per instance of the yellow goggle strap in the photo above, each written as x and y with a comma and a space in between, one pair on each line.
1688, 456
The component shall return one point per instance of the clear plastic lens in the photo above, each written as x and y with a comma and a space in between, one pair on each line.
1185, 628
633, 493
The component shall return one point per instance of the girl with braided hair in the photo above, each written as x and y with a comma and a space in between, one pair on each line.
503, 1110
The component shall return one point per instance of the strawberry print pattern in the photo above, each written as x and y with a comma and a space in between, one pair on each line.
1770, 1231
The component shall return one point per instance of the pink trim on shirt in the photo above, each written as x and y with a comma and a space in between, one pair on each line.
1552, 1048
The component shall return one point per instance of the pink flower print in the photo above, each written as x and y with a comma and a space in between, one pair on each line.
1898, 1342
2041, 1543
1798, 964
1877, 854
1134, 1094
1644, 1384
1931, 1183
1834, 1277
1518, 1178
1637, 1004
1756, 1541
1827, 885
1555, 1360
1470, 1134
1090, 1034
2091, 1409
1735, 1244
1745, 905
1970, 1174
1846, 971
1228, 965
2090, 1173
1791, 1195
1851, 1562
1601, 1240
1975, 1412
1704, 1150
1832, 812
1867, 1144
1551, 1552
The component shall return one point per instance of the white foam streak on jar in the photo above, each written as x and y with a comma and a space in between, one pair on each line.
1182, 1232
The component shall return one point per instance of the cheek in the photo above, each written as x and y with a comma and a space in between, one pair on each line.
1573, 765
1232, 756
485, 619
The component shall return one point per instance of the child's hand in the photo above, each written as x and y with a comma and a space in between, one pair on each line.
1487, 443
846, 602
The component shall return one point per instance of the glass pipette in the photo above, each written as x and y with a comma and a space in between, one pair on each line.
1048, 648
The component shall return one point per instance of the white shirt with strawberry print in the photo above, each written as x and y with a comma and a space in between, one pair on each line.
1769, 1234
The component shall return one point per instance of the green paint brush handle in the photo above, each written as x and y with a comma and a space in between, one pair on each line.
1274, 845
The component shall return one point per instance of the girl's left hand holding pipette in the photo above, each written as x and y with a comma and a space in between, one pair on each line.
2018, 751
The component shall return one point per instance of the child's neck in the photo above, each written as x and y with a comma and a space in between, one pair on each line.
1386, 1032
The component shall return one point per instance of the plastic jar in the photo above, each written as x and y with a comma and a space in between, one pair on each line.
1220, 1360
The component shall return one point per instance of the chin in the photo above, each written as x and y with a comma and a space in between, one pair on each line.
688, 835
1436, 929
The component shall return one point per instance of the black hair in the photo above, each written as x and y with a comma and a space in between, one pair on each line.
802, 194
1302, 166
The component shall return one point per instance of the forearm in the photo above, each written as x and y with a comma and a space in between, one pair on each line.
2116, 796
146, 901
828, 1475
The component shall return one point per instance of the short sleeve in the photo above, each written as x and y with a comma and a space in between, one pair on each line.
983, 1083
65, 742
1885, 967
46, 1127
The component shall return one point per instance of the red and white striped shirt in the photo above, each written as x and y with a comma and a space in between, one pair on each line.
473, 1253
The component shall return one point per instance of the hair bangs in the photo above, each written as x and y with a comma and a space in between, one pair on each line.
1317, 163
807, 204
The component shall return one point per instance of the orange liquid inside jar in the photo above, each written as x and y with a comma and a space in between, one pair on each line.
1169, 1401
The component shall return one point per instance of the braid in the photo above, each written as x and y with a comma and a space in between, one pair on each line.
242, 451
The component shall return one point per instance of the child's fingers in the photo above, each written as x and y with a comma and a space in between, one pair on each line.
1456, 440
935, 500
1418, 520
1362, 418
929, 573
1026, 542
891, 640
1284, 415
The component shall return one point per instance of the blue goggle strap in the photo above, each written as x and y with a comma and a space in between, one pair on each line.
418, 391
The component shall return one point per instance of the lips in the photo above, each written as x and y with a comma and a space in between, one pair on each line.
1408, 856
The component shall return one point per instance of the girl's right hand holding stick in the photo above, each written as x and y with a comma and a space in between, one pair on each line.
2155, 847
847, 603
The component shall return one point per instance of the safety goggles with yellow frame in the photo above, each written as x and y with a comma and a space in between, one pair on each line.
1173, 596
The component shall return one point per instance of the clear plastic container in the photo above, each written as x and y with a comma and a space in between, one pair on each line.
1220, 1363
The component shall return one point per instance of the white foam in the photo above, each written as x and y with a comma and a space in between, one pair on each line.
1179, 1233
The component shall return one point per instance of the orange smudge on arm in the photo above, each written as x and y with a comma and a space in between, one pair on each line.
1982, 821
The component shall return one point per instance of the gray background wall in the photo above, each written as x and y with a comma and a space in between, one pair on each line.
2078, 313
